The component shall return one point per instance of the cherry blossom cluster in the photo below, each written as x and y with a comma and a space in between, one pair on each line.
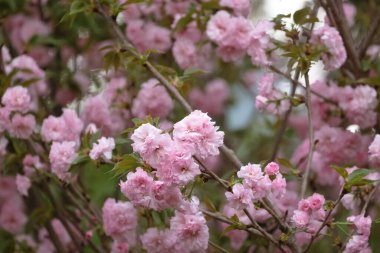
256, 185
309, 216
359, 241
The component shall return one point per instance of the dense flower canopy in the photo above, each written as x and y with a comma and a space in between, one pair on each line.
189, 126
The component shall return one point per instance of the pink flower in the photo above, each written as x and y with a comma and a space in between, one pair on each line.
242, 7
218, 26
61, 155
240, 197
27, 70
118, 218
330, 38
362, 224
374, 150
67, 127
157, 241
304, 205
357, 243
164, 196
300, 218
259, 43
120, 247
272, 169
152, 100
197, 132
31, 163
22, 126
23, 184
178, 166
4, 119
359, 105
103, 148
278, 186
185, 53
138, 187
212, 99
191, 232
17, 98
251, 174
151, 144
12, 217
316, 201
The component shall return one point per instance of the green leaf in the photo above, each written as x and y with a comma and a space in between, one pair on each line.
129, 162
370, 80
80, 159
300, 16
358, 174
341, 171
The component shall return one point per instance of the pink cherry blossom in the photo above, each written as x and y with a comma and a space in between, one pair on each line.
17, 98
157, 241
23, 184
197, 132
152, 100
240, 197
61, 155
330, 38
22, 126
103, 148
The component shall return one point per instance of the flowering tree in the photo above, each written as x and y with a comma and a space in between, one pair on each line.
115, 137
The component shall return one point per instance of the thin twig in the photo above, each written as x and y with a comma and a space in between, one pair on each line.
216, 246
367, 40
311, 137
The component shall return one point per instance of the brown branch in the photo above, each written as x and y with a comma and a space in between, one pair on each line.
341, 24
311, 137
372, 31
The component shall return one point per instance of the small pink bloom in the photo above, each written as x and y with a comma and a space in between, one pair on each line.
300, 218
103, 148
23, 184
272, 169
22, 126
17, 98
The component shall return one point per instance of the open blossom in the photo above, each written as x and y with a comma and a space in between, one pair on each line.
359, 105
239, 6
191, 232
300, 218
212, 99
374, 150
316, 201
330, 38
17, 98
157, 241
120, 247
197, 132
31, 163
152, 100
119, 218
272, 168
362, 224
240, 197
165, 196
12, 216
103, 148
269, 98
151, 143
250, 174
23, 184
137, 188
61, 155
359, 241
259, 43
67, 127
178, 166
22, 126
